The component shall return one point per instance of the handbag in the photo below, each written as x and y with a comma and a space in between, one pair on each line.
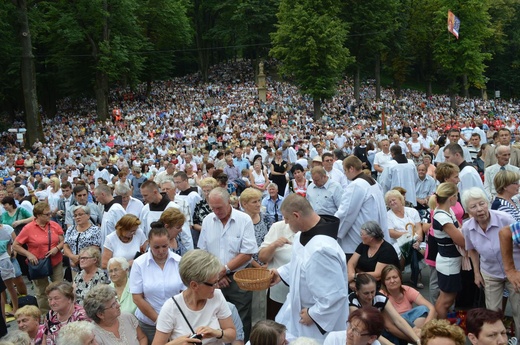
43, 268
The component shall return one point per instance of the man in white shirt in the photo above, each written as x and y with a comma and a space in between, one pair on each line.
19, 196
426, 141
454, 138
230, 235
167, 174
503, 153
333, 173
401, 173
468, 175
383, 158
113, 211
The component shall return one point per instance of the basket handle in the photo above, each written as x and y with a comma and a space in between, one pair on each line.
413, 227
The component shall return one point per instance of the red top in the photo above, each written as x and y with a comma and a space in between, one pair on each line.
37, 240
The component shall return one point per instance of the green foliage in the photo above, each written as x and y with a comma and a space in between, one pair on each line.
309, 42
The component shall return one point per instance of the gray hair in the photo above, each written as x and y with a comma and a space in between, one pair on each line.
120, 260
474, 193
272, 185
18, 337
95, 300
198, 266
219, 192
122, 189
85, 209
373, 230
74, 333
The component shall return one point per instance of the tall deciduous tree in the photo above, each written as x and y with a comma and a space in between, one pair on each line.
309, 42
32, 115
465, 58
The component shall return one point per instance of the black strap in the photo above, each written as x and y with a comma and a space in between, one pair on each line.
192, 331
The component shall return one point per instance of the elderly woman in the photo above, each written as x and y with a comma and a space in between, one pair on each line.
91, 274
28, 320
482, 243
63, 310
447, 234
154, 279
404, 297
81, 235
506, 185
399, 217
112, 326
364, 327
366, 295
77, 333
118, 270
202, 208
172, 219
276, 251
36, 236
442, 332
126, 241
208, 314
372, 254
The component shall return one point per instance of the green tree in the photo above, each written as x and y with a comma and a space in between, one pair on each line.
309, 42
465, 58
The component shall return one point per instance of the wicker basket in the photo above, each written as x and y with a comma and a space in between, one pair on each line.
253, 279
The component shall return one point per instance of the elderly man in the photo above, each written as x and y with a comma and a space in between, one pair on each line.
167, 174
317, 302
362, 201
383, 158
324, 194
229, 234
504, 139
503, 154
510, 248
424, 187
272, 203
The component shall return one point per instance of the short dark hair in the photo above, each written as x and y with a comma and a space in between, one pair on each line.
9, 200
396, 150
454, 148
297, 166
477, 317
66, 185
181, 174
79, 188
371, 318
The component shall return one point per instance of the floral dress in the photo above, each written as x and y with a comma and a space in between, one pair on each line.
261, 229
52, 325
82, 287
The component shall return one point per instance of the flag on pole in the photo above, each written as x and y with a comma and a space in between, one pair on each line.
453, 24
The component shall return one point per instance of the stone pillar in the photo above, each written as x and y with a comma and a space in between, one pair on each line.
262, 90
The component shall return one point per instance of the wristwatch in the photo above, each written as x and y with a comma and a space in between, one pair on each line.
228, 271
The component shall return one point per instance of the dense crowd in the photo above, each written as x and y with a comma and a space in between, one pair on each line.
106, 217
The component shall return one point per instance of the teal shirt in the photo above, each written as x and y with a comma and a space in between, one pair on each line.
21, 213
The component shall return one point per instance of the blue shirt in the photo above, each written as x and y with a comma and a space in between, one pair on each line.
272, 209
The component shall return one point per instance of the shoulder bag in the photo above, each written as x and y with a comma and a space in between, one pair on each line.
43, 268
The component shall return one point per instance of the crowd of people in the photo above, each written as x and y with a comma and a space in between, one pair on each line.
131, 229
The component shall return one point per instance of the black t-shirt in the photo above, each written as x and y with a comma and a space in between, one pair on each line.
385, 255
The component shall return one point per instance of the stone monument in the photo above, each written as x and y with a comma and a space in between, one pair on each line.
262, 90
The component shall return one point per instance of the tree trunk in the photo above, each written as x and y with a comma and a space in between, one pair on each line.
317, 108
429, 91
32, 115
356, 84
378, 77
466, 85
101, 91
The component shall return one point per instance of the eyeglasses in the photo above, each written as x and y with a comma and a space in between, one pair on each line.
86, 257
47, 213
355, 331
114, 305
215, 284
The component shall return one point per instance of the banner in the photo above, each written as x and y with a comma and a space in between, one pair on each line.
453, 24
